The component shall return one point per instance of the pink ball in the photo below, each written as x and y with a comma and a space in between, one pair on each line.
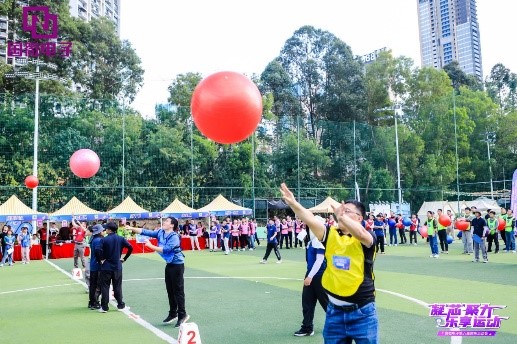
85, 163
423, 231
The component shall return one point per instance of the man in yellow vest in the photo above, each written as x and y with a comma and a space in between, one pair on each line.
348, 277
442, 234
508, 232
503, 216
466, 237
431, 224
492, 231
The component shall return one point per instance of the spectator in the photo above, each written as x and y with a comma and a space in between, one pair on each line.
79, 233
313, 291
24, 240
64, 233
35, 240
272, 242
8, 242
5, 229
43, 232
479, 233
378, 228
109, 254
94, 289
509, 232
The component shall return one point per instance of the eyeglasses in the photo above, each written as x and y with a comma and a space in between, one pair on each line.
350, 211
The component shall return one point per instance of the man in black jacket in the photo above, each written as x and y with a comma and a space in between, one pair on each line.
109, 254
479, 235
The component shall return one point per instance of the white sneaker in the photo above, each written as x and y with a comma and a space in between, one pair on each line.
431, 256
279, 261
251, 249
395, 244
513, 251
263, 261
436, 256
226, 253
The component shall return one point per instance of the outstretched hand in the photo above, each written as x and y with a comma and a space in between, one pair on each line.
287, 195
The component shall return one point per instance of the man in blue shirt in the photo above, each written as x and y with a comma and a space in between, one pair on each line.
312, 289
378, 229
94, 286
170, 250
109, 255
272, 242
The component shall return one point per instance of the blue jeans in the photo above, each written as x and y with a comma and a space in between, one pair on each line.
433, 243
510, 241
393, 236
361, 325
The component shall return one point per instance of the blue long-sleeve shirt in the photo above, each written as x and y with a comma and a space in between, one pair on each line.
111, 251
170, 243
95, 244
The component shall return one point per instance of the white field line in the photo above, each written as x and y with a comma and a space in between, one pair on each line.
159, 333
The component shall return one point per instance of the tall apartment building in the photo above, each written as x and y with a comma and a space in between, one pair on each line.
88, 9
4, 29
449, 31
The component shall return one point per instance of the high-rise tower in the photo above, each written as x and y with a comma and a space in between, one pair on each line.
449, 31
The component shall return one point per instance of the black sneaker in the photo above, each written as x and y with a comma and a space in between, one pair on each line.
182, 320
170, 319
303, 333
95, 306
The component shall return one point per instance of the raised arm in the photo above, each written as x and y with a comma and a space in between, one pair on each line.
317, 228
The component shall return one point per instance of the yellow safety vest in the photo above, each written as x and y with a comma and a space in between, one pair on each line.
345, 264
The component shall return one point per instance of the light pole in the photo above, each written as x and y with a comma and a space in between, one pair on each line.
490, 138
191, 120
395, 109
456, 145
35, 76
253, 171
123, 148
298, 139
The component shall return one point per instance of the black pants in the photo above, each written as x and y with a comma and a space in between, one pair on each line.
271, 246
379, 244
297, 241
282, 238
257, 239
107, 278
43, 247
493, 238
174, 283
402, 235
412, 235
503, 236
94, 288
442, 235
234, 241
290, 239
244, 241
310, 295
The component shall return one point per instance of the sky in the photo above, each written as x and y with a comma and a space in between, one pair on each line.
207, 36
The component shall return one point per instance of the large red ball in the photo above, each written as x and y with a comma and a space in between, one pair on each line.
423, 231
226, 107
444, 220
501, 224
462, 224
85, 163
31, 182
